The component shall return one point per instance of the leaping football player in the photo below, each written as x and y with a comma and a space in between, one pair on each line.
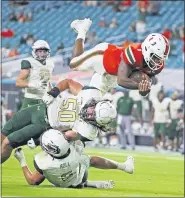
113, 65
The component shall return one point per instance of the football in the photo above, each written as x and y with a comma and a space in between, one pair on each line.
138, 76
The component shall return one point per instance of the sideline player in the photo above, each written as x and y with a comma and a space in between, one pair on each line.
65, 165
80, 114
112, 64
35, 74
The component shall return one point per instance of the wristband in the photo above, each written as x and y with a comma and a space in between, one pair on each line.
54, 92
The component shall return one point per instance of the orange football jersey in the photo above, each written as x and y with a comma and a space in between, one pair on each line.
131, 55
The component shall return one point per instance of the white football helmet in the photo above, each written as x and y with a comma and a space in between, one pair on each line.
155, 50
105, 112
98, 113
54, 143
40, 44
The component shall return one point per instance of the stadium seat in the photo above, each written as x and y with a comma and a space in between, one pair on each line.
54, 24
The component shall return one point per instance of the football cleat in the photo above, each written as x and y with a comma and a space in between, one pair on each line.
129, 165
78, 25
105, 184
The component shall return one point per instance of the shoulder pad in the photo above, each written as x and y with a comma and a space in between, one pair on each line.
41, 160
132, 55
25, 64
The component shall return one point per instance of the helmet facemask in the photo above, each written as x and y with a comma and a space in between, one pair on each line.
88, 114
41, 54
40, 50
50, 148
54, 143
155, 62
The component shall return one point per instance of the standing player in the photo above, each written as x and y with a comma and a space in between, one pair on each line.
65, 165
35, 74
159, 117
80, 114
112, 64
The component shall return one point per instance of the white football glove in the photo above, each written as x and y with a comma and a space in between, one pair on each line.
47, 99
19, 154
31, 144
37, 85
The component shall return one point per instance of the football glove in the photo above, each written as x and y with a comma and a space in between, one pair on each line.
47, 99
31, 144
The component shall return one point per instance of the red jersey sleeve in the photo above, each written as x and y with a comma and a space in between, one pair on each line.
132, 56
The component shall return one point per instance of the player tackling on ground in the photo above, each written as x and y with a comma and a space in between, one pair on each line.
113, 65
65, 165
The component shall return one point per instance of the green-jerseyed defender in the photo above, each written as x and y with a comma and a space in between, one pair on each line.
35, 74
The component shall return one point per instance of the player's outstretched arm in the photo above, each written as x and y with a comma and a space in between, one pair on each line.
34, 178
73, 87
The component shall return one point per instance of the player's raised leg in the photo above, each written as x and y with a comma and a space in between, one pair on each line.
81, 27
103, 163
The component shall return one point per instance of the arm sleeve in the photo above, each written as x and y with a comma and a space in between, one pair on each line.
25, 64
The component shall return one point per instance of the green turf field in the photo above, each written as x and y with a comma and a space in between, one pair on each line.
155, 175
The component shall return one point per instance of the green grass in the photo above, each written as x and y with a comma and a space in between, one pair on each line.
155, 175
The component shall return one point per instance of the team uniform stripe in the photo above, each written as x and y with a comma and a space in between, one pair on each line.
126, 53
82, 60
129, 55
132, 54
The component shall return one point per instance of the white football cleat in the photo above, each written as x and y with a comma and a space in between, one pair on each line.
129, 165
19, 154
105, 184
81, 25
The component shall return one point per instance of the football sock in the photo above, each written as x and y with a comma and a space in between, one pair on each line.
121, 166
82, 35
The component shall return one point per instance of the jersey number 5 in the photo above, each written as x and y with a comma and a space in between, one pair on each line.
66, 176
68, 111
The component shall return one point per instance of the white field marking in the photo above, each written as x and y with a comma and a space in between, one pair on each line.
152, 152
139, 155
